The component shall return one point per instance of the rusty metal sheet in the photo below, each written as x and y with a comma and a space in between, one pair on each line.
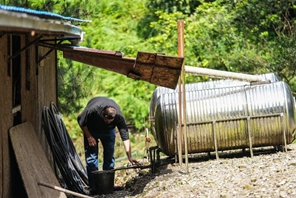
111, 63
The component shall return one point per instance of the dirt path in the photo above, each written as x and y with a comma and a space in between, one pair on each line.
268, 174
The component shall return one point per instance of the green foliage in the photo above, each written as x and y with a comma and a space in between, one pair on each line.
184, 6
248, 36
264, 20
20, 3
75, 82
74, 8
167, 38
214, 39
115, 24
113, 27
270, 26
211, 41
283, 57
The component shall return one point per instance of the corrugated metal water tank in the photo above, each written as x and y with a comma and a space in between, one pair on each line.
225, 114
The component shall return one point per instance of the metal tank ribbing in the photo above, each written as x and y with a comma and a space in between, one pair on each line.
225, 115
271, 77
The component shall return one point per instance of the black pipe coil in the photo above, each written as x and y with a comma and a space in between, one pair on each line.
72, 170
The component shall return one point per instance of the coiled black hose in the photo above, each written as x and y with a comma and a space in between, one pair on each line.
64, 153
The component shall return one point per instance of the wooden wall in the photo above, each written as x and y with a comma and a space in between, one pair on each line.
47, 91
6, 117
38, 87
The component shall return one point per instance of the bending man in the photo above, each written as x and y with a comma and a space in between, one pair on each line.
98, 121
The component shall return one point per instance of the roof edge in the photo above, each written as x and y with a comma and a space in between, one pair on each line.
17, 21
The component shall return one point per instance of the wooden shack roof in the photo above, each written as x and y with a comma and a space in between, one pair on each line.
155, 68
16, 19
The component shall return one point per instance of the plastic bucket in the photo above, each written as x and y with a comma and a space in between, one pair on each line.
104, 181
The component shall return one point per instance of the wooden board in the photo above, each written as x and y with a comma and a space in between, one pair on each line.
32, 162
158, 69
155, 68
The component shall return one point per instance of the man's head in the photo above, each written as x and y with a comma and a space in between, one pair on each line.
109, 114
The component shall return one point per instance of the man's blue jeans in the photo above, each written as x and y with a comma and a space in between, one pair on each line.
91, 153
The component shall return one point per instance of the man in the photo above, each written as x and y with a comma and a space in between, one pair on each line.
98, 121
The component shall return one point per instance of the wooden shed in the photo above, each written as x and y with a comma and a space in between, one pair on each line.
27, 83
29, 41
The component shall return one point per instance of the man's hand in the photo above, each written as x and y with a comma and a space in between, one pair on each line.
127, 147
134, 162
91, 141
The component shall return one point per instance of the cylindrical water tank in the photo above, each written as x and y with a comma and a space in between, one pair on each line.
229, 116
271, 77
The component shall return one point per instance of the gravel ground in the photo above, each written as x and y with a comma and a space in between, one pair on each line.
268, 173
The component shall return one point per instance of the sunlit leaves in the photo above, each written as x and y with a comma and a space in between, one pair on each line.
247, 36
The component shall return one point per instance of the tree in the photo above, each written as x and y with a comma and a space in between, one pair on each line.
270, 26
216, 37
248, 36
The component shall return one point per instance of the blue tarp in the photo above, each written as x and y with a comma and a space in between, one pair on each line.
41, 14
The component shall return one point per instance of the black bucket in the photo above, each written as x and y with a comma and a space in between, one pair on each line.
104, 181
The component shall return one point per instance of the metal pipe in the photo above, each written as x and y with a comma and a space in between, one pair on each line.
284, 131
250, 136
152, 158
215, 140
217, 73
175, 132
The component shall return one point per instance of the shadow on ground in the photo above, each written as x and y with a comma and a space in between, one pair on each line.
137, 180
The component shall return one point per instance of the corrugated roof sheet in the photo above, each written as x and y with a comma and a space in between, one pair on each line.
41, 14
17, 19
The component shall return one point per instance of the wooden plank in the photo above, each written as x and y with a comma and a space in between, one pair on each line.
141, 68
32, 162
158, 69
165, 77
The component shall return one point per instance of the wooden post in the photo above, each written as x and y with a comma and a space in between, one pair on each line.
179, 133
181, 53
